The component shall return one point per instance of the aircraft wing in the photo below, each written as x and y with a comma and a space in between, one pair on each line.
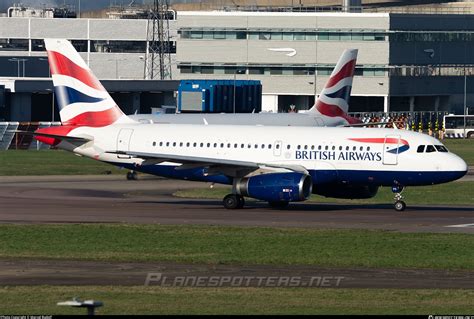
224, 166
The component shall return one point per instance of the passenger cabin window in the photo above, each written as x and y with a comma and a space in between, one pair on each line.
420, 149
154, 143
430, 149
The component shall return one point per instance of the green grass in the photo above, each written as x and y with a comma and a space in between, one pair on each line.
462, 147
238, 245
456, 193
179, 301
50, 162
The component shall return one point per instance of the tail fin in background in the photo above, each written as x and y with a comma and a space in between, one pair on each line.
82, 99
334, 98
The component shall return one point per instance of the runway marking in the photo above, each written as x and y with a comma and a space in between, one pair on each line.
461, 225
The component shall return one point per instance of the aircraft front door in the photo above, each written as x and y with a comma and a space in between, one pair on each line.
123, 141
390, 149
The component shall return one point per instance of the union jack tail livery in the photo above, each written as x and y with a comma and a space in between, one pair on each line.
82, 99
334, 98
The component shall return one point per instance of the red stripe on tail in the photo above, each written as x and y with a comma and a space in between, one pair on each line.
60, 64
96, 119
346, 71
334, 111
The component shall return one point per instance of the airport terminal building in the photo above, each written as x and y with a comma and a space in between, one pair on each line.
406, 62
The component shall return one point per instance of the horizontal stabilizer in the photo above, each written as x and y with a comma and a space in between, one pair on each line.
58, 137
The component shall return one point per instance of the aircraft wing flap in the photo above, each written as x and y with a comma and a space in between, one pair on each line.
185, 159
218, 164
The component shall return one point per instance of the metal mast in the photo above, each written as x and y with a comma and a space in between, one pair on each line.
158, 55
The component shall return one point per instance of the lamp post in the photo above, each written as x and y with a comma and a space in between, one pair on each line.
235, 80
18, 60
52, 103
465, 102
313, 83
237, 71
116, 65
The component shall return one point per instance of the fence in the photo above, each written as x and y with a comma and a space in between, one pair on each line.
12, 138
431, 123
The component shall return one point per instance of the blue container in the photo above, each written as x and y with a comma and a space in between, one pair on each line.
217, 96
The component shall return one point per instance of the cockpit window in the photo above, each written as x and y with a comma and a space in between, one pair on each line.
430, 149
441, 148
420, 149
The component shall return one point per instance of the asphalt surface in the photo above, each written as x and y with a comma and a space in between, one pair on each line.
165, 274
112, 199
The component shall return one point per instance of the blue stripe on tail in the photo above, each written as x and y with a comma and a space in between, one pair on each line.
66, 95
344, 93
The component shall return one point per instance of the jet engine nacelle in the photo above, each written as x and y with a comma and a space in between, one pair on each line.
276, 187
346, 191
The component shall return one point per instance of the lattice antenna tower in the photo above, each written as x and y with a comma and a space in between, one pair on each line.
158, 55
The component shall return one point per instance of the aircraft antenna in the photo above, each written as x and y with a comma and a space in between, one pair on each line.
158, 55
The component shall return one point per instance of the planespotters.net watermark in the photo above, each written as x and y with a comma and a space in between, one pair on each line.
159, 279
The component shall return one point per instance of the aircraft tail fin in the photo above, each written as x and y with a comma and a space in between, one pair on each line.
334, 98
82, 100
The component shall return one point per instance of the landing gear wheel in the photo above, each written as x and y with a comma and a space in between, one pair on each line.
132, 176
400, 206
232, 201
241, 202
280, 204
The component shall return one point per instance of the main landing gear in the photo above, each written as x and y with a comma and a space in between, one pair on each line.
132, 176
233, 201
399, 204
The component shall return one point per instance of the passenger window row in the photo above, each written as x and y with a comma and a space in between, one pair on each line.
214, 145
258, 146
431, 149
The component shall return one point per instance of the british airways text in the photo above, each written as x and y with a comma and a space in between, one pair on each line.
340, 156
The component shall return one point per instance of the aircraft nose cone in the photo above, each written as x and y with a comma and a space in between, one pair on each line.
459, 167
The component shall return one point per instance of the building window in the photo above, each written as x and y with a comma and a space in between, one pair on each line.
107, 46
14, 45
195, 34
264, 36
79, 45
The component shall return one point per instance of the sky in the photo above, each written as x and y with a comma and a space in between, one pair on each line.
86, 5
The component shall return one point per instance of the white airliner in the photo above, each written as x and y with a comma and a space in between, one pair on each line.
330, 108
275, 164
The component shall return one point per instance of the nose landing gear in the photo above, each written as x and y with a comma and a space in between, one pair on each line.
399, 205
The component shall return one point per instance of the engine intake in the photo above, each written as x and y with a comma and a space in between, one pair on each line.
275, 187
